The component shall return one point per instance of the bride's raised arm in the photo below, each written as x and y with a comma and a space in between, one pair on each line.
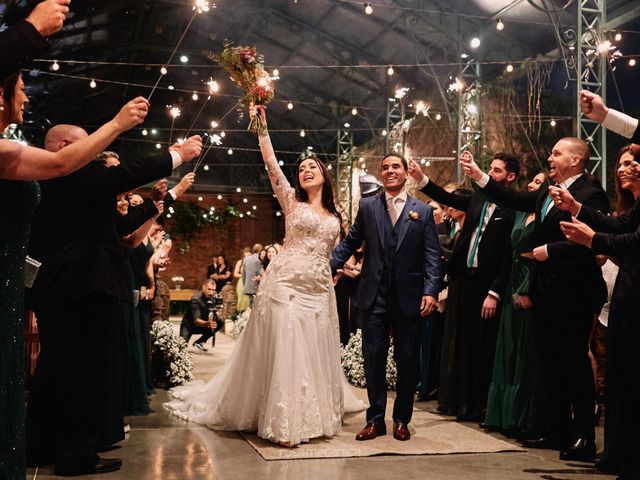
281, 187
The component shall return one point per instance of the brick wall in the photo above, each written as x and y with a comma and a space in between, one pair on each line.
263, 226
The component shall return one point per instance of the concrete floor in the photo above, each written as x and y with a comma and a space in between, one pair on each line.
162, 447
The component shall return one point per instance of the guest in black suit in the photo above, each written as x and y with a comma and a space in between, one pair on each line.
75, 298
478, 270
618, 237
568, 290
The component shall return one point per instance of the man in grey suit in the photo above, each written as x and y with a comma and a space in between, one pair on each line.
250, 268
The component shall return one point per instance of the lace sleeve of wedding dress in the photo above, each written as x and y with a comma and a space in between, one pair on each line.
279, 183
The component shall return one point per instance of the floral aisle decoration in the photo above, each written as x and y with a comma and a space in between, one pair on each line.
246, 69
239, 323
172, 361
353, 363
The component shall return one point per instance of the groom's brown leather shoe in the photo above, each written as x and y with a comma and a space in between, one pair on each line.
371, 431
401, 431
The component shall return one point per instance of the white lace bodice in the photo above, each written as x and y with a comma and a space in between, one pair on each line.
306, 231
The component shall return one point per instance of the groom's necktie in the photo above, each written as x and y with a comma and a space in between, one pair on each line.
395, 207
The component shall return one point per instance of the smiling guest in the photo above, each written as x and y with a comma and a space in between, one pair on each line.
478, 270
567, 291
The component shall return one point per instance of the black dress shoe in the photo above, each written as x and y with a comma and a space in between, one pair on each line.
540, 442
103, 465
580, 449
488, 428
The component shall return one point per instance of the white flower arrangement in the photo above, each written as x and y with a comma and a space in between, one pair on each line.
239, 323
177, 279
353, 363
176, 359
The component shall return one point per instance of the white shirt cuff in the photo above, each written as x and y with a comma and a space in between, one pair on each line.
423, 182
494, 294
620, 123
176, 159
483, 181
546, 252
173, 194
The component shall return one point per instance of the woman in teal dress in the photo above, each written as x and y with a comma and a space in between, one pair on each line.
20, 165
517, 397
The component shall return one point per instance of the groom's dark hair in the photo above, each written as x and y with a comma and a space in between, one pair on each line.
397, 155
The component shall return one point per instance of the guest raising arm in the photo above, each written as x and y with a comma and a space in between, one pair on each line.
19, 162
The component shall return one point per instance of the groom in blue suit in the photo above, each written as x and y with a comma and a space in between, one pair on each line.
399, 284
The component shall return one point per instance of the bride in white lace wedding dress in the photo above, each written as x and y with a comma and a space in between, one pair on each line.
284, 379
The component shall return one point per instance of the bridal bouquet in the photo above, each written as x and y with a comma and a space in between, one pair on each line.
246, 68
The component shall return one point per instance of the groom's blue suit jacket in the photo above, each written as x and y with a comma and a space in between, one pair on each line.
416, 267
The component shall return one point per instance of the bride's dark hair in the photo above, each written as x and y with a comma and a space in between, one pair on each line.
327, 189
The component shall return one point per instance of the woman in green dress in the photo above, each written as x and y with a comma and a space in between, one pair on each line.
517, 394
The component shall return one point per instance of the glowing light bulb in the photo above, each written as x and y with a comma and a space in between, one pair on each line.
154, 131
219, 197
206, 168
214, 87
214, 124
194, 97
163, 70
384, 133
390, 70
230, 151
93, 84
55, 66
475, 42
158, 145
553, 123
245, 200
222, 134
184, 59
276, 72
632, 62
171, 87
368, 9
509, 68
347, 125
302, 134
144, 132
438, 116
200, 199
238, 190
618, 37
499, 25
354, 111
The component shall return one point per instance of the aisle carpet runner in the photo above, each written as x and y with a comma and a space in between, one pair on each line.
430, 435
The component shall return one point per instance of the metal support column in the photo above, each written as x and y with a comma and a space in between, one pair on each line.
469, 114
592, 75
344, 168
393, 126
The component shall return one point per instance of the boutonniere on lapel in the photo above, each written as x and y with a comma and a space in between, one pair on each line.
413, 215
